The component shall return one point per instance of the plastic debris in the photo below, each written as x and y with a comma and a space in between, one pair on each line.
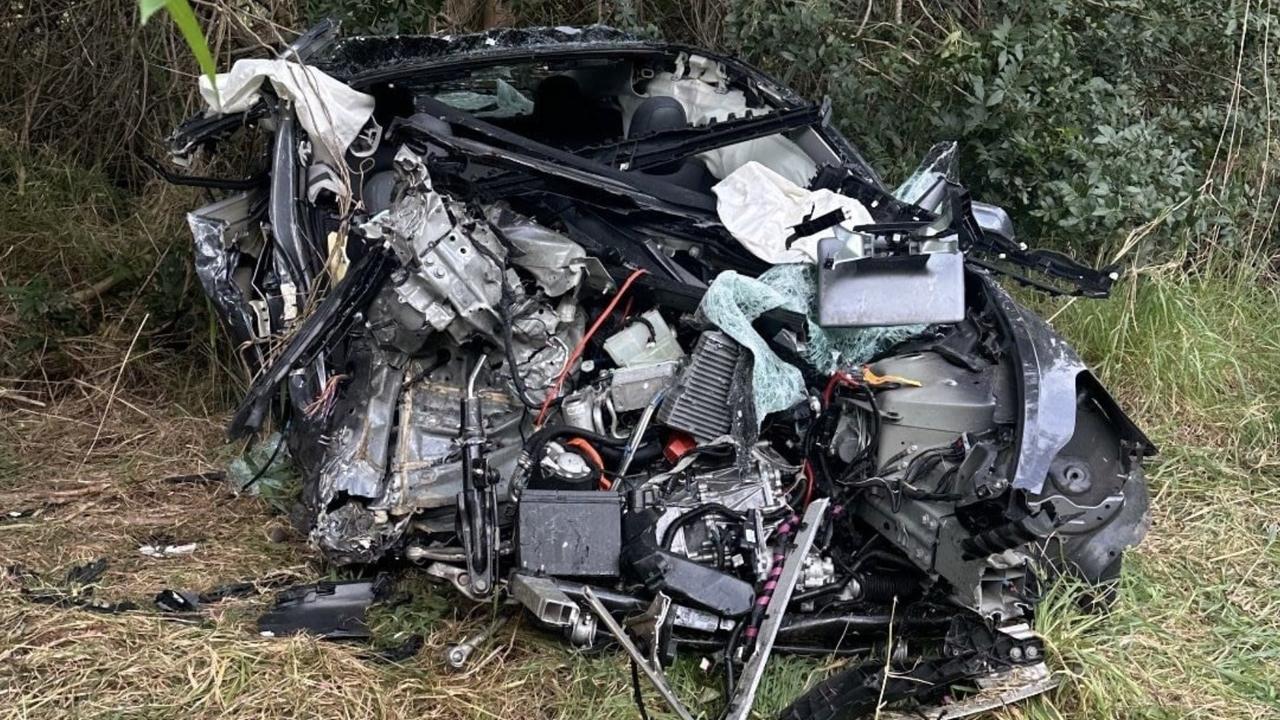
167, 551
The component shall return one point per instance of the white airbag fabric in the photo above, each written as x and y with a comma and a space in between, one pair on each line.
760, 208
330, 111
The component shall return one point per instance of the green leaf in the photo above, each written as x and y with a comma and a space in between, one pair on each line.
147, 8
189, 26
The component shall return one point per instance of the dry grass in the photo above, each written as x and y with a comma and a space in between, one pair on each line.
1196, 631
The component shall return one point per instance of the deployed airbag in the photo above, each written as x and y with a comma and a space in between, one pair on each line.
331, 112
761, 208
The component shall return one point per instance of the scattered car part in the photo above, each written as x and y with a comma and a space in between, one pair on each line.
76, 590
212, 476
155, 550
177, 601
509, 332
457, 655
331, 610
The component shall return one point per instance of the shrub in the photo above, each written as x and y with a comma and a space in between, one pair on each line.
1085, 119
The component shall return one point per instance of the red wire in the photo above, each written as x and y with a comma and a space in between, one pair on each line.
837, 377
554, 391
809, 483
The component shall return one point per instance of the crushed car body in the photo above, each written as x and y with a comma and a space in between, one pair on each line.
628, 334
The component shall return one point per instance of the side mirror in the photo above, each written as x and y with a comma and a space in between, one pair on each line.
993, 220
926, 188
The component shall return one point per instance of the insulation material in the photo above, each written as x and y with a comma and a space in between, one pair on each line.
701, 88
760, 208
733, 301
332, 113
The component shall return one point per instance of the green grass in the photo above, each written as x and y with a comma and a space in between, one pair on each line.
1196, 630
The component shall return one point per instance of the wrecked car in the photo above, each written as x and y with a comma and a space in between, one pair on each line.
628, 334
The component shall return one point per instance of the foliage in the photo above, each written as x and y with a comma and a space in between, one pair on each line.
189, 26
1085, 119
377, 17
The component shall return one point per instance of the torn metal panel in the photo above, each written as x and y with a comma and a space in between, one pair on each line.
224, 232
360, 451
552, 258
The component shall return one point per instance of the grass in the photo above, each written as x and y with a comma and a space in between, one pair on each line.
1193, 352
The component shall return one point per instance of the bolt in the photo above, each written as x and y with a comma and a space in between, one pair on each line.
1015, 653
1033, 652
456, 656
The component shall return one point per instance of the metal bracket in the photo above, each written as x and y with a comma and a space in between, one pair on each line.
742, 700
650, 667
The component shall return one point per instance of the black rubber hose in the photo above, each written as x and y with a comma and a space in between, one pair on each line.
873, 588
729, 681
284, 429
701, 511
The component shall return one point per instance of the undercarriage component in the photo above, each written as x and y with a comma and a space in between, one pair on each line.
969, 652
478, 501
648, 664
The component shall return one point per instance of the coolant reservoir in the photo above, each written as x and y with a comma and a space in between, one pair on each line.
646, 341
